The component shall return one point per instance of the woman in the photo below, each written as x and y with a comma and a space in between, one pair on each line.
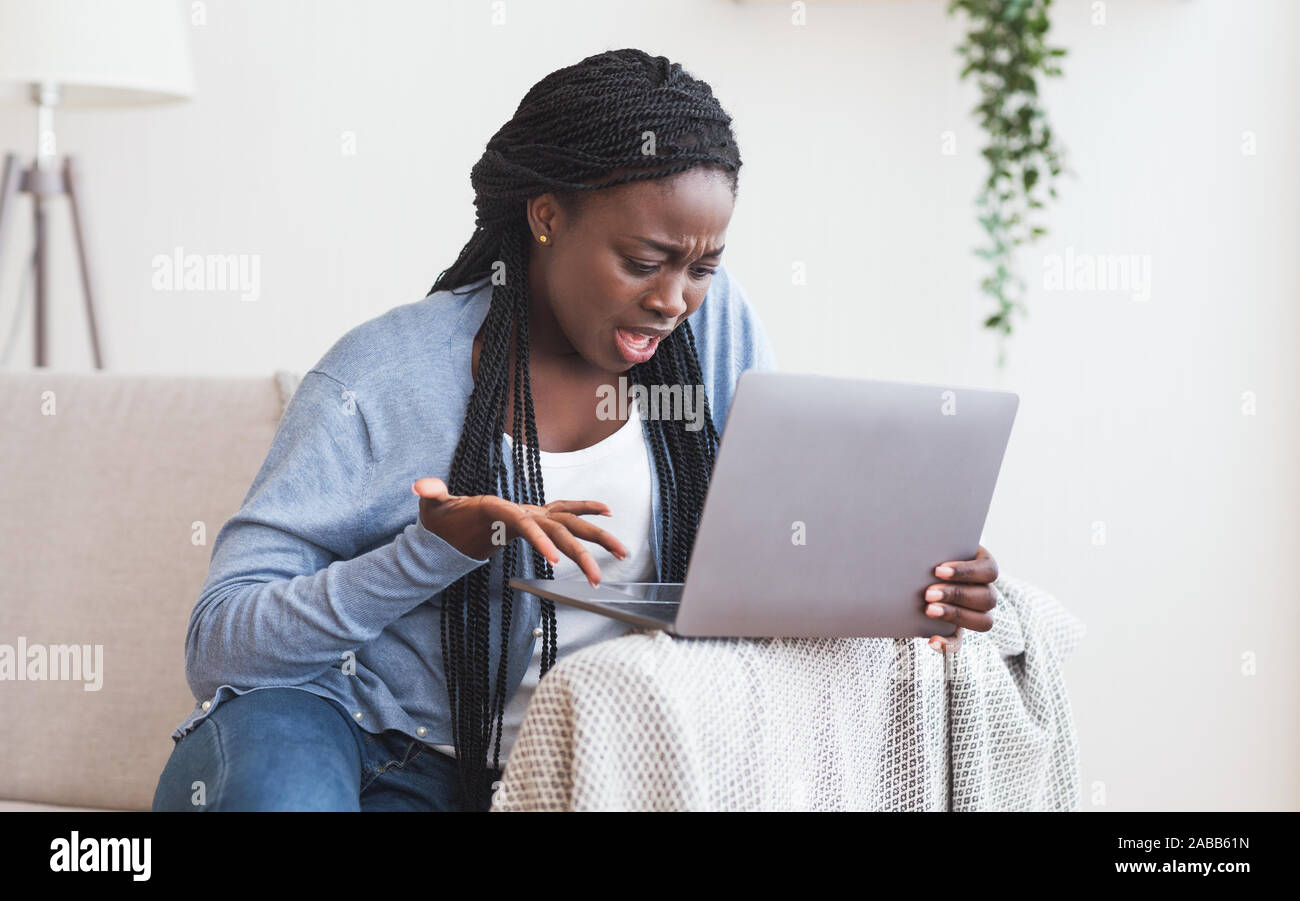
355, 653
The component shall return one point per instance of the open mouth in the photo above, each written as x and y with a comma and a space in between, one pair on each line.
635, 347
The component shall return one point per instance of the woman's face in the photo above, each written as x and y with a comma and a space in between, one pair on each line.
640, 256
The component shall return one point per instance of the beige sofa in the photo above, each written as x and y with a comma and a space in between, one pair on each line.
112, 489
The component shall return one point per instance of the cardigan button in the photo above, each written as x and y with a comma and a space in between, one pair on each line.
421, 731
207, 704
537, 632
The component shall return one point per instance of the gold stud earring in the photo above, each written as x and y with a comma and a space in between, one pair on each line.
542, 238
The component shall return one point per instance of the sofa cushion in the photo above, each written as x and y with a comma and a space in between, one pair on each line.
113, 489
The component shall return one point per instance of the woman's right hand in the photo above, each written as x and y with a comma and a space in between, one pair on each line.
468, 523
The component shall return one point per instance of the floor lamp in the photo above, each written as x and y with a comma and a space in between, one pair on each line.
80, 53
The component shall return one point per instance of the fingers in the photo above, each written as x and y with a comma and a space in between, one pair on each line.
571, 546
525, 527
967, 606
591, 532
579, 507
968, 619
946, 644
433, 489
982, 569
537, 537
979, 598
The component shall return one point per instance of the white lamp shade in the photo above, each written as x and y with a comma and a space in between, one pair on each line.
96, 51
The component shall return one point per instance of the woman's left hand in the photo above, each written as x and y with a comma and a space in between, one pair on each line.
969, 603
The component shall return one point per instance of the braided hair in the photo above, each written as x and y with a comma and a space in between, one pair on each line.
579, 129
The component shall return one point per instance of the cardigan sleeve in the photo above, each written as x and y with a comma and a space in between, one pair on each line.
730, 338
286, 593
754, 349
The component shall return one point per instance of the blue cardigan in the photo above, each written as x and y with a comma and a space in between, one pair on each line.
325, 580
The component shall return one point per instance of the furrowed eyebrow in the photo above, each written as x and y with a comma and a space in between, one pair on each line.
673, 250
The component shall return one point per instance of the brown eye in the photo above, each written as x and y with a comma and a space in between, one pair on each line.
639, 268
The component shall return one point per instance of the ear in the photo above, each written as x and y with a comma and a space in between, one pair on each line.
545, 215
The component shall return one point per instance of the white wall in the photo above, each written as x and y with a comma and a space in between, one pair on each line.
1131, 411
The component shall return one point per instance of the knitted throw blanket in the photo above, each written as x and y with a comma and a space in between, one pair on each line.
652, 722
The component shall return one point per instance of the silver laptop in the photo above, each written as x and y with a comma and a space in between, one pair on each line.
831, 503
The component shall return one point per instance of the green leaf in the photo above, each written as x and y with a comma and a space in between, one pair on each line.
1005, 48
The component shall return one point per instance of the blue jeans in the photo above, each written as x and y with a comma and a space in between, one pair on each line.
288, 749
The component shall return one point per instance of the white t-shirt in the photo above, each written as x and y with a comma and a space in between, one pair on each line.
616, 472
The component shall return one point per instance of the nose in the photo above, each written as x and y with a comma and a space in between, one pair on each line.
668, 299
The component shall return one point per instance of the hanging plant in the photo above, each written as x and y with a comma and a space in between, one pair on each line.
1005, 50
